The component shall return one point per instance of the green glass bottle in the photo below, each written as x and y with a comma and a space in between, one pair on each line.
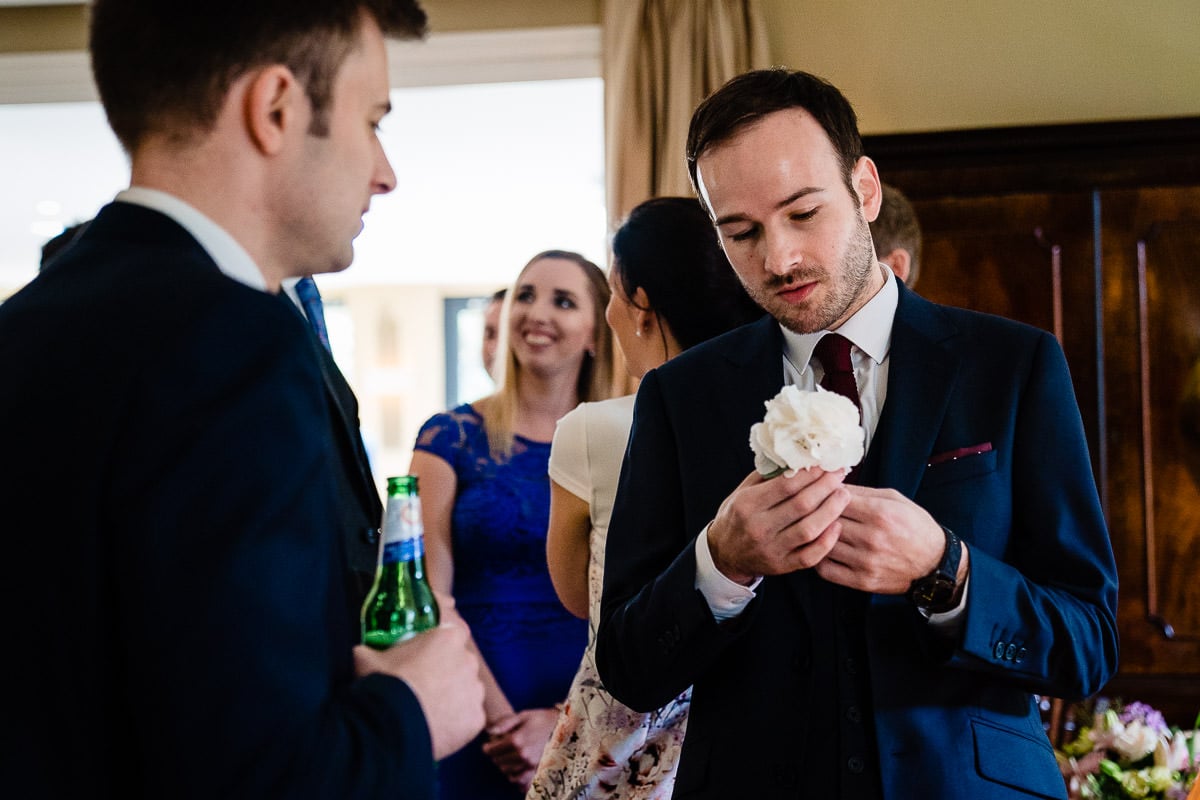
401, 603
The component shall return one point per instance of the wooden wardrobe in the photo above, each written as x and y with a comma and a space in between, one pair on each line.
1092, 232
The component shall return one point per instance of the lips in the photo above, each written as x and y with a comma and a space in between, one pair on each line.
797, 294
538, 338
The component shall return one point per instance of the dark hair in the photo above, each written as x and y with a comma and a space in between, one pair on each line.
749, 97
165, 67
668, 247
897, 226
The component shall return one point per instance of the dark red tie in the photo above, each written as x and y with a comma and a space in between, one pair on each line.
833, 351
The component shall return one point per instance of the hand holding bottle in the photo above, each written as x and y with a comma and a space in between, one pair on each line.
442, 669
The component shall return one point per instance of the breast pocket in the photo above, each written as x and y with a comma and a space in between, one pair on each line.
959, 469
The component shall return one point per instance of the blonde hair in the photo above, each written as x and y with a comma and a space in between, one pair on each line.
595, 381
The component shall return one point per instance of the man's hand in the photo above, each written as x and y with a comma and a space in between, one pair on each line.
777, 525
443, 672
887, 541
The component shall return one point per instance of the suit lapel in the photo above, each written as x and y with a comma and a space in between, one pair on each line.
345, 408
922, 369
756, 364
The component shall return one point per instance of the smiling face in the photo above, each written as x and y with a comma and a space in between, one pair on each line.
798, 240
552, 318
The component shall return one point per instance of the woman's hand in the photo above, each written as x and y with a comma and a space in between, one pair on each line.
516, 742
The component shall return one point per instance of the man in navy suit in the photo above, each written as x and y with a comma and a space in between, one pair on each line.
877, 635
176, 609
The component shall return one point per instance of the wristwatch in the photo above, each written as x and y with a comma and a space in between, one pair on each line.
934, 593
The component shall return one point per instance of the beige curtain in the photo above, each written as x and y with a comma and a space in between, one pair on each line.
660, 59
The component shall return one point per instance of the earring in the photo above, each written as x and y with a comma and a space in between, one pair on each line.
638, 333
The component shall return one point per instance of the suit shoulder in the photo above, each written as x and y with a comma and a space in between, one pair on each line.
732, 347
979, 325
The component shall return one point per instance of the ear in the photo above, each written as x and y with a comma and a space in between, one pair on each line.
274, 103
644, 317
865, 180
900, 261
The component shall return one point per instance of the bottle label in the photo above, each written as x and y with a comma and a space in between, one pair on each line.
403, 550
403, 520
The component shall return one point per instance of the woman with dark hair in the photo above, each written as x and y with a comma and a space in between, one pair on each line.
671, 288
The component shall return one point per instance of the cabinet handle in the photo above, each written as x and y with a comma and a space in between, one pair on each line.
1164, 627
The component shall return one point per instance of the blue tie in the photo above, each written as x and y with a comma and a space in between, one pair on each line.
310, 298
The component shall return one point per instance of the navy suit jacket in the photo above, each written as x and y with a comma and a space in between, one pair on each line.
359, 503
951, 719
174, 598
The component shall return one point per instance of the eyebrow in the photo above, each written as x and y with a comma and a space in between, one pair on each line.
556, 290
787, 201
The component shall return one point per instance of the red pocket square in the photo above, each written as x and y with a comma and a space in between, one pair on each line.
962, 452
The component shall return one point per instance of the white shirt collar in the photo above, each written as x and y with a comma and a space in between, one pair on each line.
231, 257
870, 329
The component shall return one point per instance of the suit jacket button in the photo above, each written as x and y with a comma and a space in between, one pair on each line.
998, 651
1020, 655
1010, 652
372, 535
856, 764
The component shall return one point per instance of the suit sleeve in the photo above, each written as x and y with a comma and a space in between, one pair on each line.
236, 627
1044, 612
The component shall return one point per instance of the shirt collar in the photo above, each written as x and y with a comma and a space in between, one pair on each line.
232, 259
870, 329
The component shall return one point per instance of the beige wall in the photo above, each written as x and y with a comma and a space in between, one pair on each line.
908, 65
913, 65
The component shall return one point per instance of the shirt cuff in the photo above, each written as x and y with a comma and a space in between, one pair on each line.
726, 598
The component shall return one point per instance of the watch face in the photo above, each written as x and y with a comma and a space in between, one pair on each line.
932, 591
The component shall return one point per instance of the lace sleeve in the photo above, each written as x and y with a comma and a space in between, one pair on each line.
445, 434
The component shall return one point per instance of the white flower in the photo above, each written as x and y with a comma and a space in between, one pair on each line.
807, 429
1176, 755
1135, 741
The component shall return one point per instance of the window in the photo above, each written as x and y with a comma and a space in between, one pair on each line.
497, 143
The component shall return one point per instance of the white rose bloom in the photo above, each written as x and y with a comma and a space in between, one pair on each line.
807, 429
1135, 741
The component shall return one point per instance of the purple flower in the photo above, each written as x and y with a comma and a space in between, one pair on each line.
1145, 714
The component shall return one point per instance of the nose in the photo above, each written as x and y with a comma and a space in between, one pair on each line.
385, 176
782, 252
541, 310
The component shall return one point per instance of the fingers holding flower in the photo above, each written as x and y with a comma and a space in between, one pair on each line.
771, 527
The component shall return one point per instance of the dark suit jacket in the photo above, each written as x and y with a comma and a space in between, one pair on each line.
359, 504
174, 590
952, 720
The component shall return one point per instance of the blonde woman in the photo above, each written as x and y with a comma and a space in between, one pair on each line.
485, 496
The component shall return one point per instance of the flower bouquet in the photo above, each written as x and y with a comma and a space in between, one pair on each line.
807, 429
1127, 752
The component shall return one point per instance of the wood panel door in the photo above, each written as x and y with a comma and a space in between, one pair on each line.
1028, 257
1151, 256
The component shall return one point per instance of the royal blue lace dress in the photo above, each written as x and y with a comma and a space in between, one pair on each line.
502, 585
